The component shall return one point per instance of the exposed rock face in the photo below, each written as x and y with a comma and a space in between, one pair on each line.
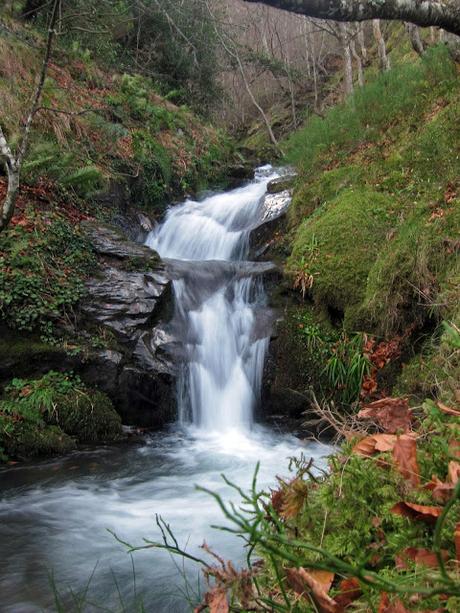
281, 184
131, 296
273, 220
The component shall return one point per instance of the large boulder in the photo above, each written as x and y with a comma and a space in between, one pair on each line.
131, 296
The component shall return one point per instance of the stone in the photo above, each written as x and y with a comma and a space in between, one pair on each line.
131, 294
125, 301
281, 184
109, 241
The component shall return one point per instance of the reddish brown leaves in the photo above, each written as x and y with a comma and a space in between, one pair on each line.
216, 600
440, 490
372, 444
450, 194
453, 472
405, 457
391, 414
350, 590
417, 511
379, 356
396, 606
317, 583
421, 557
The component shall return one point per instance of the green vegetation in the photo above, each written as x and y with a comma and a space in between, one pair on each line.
375, 220
43, 262
49, 415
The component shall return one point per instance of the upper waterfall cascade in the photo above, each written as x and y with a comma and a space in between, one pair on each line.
221, 377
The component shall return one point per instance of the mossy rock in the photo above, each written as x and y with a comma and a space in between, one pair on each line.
32, 440
337, 246
89, 416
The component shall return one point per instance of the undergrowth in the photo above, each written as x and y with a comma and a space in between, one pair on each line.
43, 263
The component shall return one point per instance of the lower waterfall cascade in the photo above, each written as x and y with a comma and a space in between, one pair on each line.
220, 382
58, 517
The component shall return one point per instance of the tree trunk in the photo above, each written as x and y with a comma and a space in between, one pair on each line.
359, 63
361, 41
348, 65
381, 46
424, 13
415, 38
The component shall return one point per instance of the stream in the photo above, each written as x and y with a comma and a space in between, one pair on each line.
57, 517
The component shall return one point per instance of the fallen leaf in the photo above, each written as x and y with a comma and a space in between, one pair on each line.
303, 581
391, 414
440, 491
453, 472
350, 590
405, 457
417, 511
377, 442
385, 606
448, 410
421, 557
454, 448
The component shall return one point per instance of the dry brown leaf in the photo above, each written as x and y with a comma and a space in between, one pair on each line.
391, 414
448, 410
385, 606
453, 471
421, 557
302, 581
377, 442
454, 448
421, 512
405, 457
440, 491
350, 590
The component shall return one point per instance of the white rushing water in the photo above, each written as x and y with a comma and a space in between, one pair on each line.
220, 381
55, 516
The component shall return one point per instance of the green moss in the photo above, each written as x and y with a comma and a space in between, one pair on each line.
409, 270
25, 440
52, 413
88, 415
337, 246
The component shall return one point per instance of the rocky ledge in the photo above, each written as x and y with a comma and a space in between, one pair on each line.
130, 298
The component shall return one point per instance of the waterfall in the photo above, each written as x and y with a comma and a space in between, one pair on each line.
219, 298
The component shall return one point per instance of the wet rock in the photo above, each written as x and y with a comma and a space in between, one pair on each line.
281, 184
125, 301
109, 241
131, 295
145, 400
272, 222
